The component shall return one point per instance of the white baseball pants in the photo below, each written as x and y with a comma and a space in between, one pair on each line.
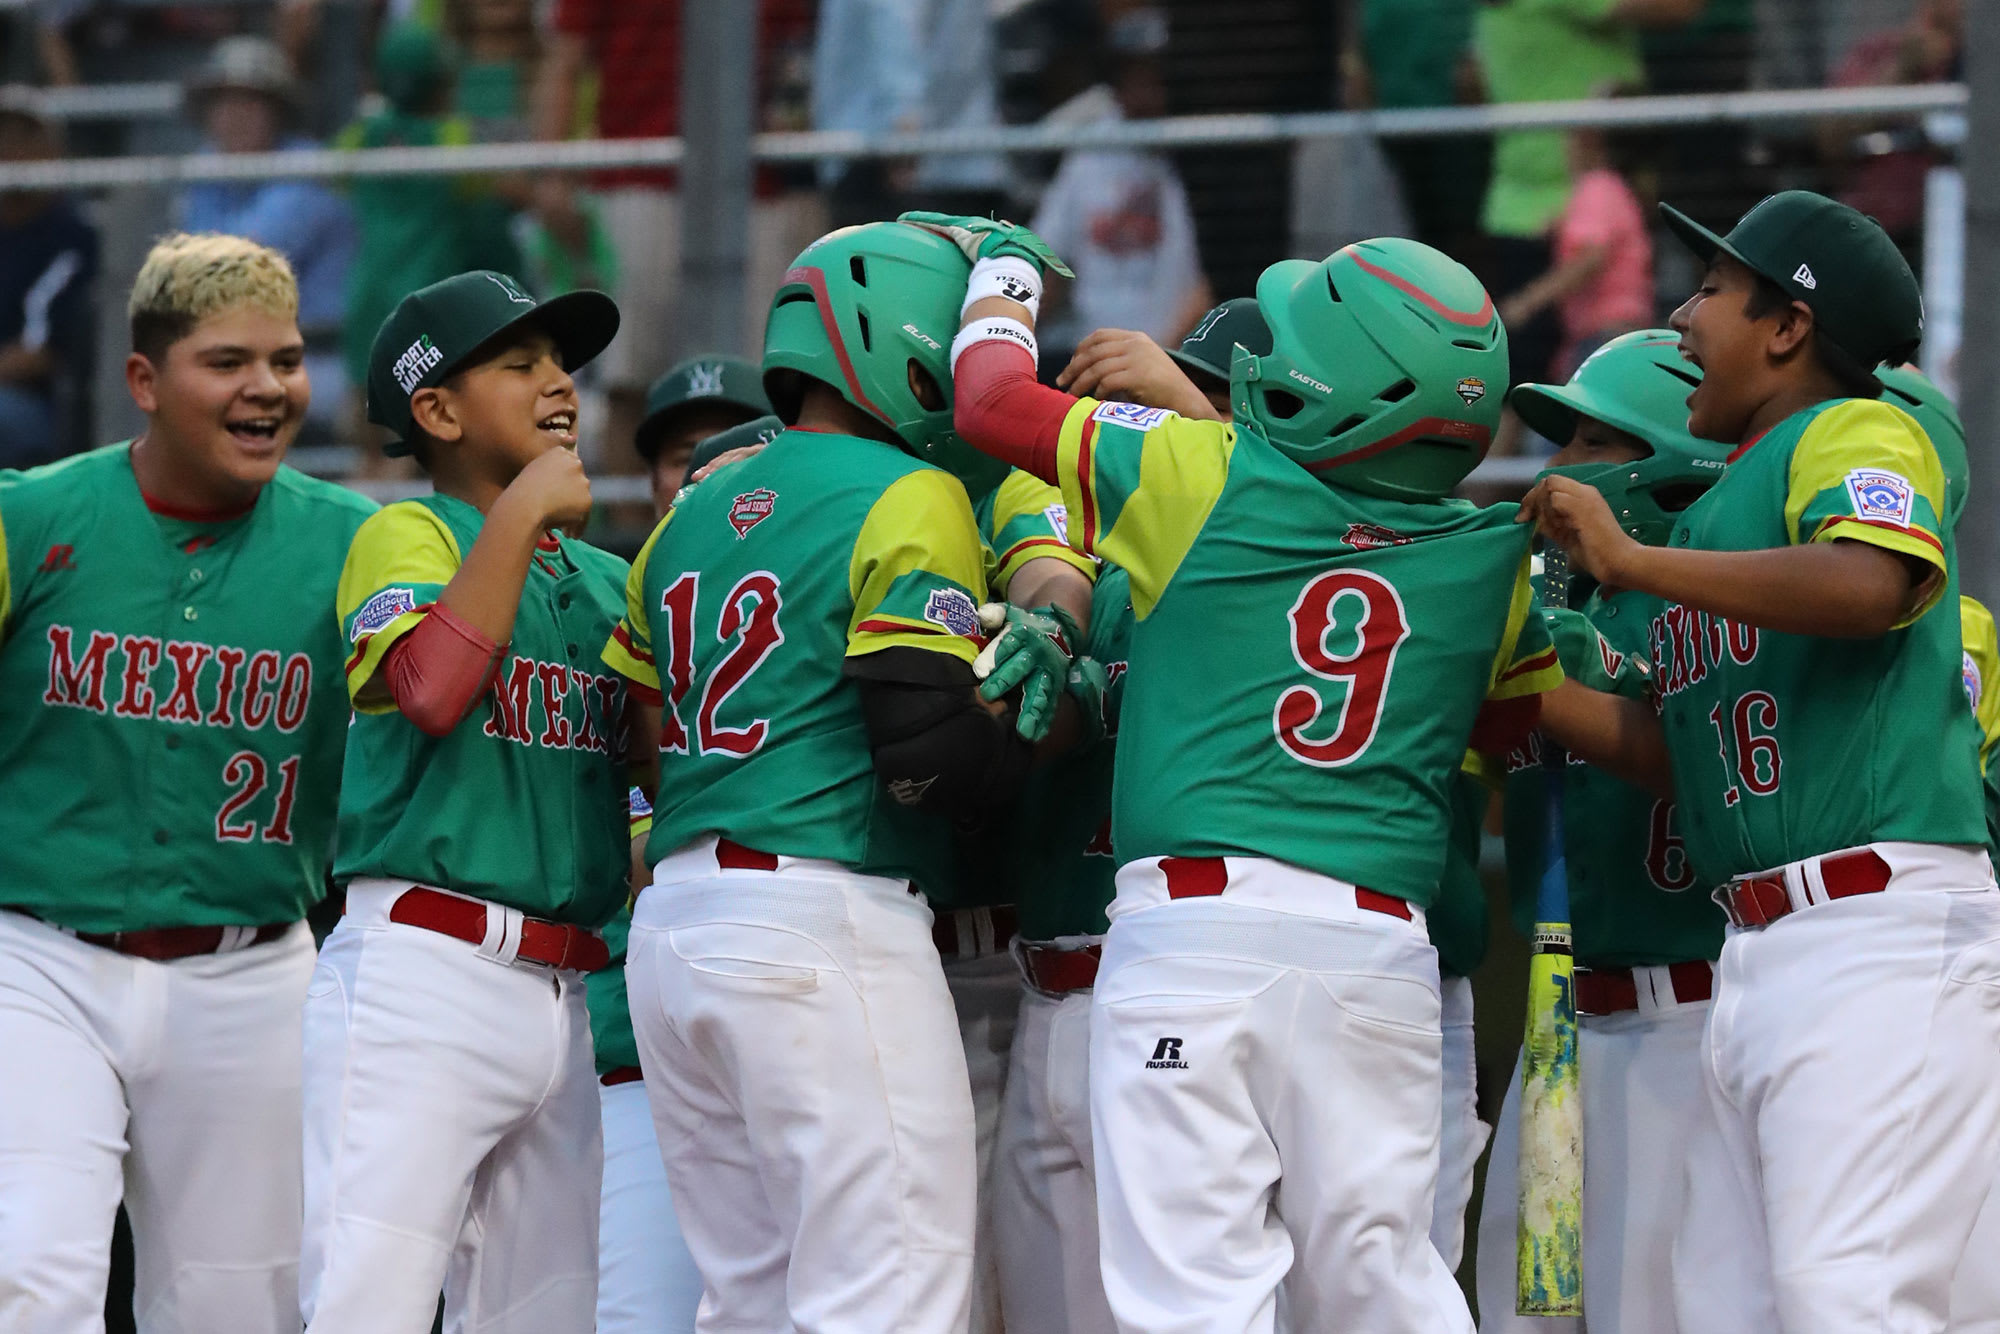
174, 1085
1265, 1077
1462, 1135
986, 994
1851, 1128
1975, 1289
1044, 1182
646, 1280
1640, 1081
451, 1136
809, 1090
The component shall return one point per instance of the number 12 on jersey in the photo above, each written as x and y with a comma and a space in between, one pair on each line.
749, 615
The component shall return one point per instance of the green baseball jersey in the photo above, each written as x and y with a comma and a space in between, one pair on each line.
1064, 867
1981, 668
522, 803
741, 611
1307, 662
187, 664
1788, 746
1456, 921
1633, 896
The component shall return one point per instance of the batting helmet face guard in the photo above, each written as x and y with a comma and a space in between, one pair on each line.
858, 308
1638, 383
1911, 390
1386, 369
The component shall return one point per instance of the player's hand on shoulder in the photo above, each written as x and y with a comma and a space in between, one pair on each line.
723, 460
1576, 518
1129, 366
555, 486
987, 238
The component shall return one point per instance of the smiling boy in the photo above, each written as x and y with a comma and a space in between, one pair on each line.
452, 1137
171, 724
1812, 725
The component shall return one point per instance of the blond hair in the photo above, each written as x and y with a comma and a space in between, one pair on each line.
188, 277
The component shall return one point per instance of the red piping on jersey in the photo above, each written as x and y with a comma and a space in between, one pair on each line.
1000, 409
1086, 447
361, 644
625, 641
1541, 661
1469, 432
187, 514
1744, 448
1918, 533
816, 279
1467, 317
896, 628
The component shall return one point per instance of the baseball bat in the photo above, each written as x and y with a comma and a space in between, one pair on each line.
1548, 1278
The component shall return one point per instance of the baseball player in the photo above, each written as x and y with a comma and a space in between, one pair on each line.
697, 399
1286, 625
163, 635
1814, 734
1192, 379
452, 1117
1645, 937
807, 620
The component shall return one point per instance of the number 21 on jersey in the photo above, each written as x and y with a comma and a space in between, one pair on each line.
748, 615
1345, 628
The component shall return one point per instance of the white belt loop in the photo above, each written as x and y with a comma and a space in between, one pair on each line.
503, 933
236, 938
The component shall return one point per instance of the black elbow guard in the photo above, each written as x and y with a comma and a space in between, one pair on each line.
934, 745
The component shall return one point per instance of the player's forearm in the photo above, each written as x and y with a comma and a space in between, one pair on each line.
1046, 581
1835, 590
1621, 736
1000, 408
437, 672
486, 591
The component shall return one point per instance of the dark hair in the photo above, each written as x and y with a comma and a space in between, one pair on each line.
1769, 298
154, 331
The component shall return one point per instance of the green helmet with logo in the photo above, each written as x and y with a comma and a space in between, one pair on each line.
1386, 368
1911, 390
858, 307
1638, 383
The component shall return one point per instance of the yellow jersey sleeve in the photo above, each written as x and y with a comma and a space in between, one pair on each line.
1030, 522
629, 651
917, 573
1138, 484
1527, 663
1981, 667
1864, 471
400, 560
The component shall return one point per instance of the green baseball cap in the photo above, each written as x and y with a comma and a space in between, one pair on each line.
757, 431
437, 330
1207, 349
730, 381
1835, 259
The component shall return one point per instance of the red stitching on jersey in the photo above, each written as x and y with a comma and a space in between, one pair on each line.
1402, 284
1085, 445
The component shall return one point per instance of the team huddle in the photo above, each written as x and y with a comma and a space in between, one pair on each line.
1002, 856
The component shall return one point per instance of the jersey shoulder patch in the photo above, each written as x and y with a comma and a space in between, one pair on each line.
953, 610
1131, 415
381, 609
1881, 495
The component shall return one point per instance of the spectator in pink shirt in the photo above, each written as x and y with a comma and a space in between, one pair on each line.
1602, 280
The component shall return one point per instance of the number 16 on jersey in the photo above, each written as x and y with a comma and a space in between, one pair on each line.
1549, 1273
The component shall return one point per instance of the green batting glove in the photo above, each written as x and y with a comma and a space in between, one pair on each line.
1029, 650
983, 238
1088, 684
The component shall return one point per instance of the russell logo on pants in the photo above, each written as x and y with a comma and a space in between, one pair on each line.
1167, 1055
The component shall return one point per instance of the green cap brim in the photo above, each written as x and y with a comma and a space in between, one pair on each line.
1219, 374
1551, 410
1704, 242
582, 323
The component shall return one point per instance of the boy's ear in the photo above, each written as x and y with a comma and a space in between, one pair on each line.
1794, 327
432, 412
142, 382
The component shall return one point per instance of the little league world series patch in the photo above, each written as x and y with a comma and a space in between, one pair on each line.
1883, 496
1132, 415
750, 509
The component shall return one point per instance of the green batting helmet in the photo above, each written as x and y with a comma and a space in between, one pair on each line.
1386, 368
1912, 391
858, 308
1638, 383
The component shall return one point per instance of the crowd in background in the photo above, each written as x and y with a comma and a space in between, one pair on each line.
1560, 225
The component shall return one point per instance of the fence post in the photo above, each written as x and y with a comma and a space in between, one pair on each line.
718, 91
1979, 352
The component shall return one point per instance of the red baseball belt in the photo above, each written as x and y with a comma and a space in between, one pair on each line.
1204, 877
624, 1074
557, 944
1059, 970
163, 944
1602, 991
1760, 900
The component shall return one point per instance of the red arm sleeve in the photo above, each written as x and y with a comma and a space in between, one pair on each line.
438, 671
1001, 409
